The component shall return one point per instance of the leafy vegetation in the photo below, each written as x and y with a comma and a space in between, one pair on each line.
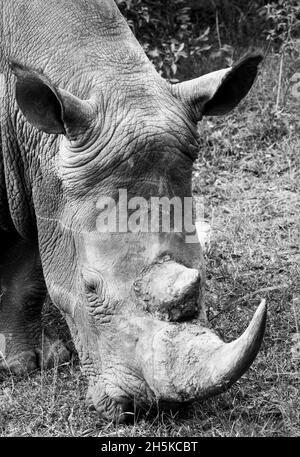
283, 24
185, 37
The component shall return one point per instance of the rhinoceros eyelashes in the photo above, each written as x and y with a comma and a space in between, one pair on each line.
50, 109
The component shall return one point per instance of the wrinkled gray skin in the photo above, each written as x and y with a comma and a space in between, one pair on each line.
83, 114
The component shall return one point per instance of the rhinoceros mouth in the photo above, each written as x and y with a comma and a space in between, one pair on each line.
186, 362
177, 363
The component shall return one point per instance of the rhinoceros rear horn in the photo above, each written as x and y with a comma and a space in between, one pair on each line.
219, 92
47, 108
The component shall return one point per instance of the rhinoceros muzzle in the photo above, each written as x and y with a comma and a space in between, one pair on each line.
176, 358
185, 361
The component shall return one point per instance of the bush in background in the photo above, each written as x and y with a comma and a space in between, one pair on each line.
185, 38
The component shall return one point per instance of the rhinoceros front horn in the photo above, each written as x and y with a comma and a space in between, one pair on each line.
186, 362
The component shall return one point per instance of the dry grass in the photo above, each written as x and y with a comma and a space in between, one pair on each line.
249, 174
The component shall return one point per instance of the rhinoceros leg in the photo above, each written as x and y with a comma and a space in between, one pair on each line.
24, 345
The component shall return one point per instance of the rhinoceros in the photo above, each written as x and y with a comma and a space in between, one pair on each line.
84, 114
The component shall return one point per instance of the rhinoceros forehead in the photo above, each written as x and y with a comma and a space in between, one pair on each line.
143, 106
128, 143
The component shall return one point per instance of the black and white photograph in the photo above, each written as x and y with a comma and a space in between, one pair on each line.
149, 222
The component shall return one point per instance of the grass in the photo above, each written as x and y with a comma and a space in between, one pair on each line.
249, 174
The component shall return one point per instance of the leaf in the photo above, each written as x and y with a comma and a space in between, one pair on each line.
206, 47
154, 53
180, 48
204, 35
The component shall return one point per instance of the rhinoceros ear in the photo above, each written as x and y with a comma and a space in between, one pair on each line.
219, 92
47, 108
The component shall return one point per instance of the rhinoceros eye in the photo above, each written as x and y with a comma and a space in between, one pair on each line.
93, 282
98, 303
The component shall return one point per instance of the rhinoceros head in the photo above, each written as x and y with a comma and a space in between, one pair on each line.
131, 289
